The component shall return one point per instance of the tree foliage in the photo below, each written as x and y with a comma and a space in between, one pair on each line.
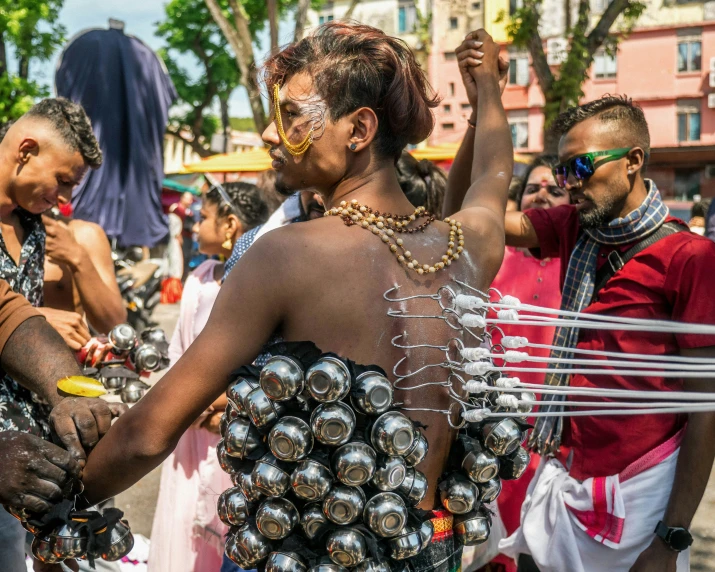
563, 88
190, 34
29, 29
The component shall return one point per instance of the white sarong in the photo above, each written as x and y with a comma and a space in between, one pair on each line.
602, 523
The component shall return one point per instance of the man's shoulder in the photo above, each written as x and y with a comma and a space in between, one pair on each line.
83, 229
682, 246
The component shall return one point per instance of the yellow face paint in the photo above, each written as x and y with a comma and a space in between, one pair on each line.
294, 150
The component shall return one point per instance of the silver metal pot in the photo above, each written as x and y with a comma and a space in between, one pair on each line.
328, 380
311, 480
344, 505
385, 514
346, 547
133, 391
147, 358
263, 411
312, 519
426, 533
418, 451
414, 487
42, 550
113, 378
354, 463
333, 423
238, 391
460, 497
232, 507
122, 338
480, 465
407, 544
328, 567
372, 393
228, 463
502, 437
489, 491
269, 478
247, 547
392, 434
121, 542
389, 473
373, 565
249, 491
276, 518
290, 439
285, 562
282, 378
514, 466
241, 438
472, 529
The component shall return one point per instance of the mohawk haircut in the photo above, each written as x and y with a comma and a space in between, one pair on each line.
70, 121
354, 66
627, 117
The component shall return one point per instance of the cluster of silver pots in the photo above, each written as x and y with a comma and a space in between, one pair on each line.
274, 456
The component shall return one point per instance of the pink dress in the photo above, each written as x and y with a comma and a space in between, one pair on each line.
186, 535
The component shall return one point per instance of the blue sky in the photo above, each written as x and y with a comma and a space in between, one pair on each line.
140, 17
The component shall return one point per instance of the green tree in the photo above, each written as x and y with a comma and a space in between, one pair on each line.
29, 29
564, 88
189, 31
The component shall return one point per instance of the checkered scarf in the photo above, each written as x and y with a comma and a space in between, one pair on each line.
577, 293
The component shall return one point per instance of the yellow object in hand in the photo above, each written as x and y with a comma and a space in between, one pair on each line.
81, 386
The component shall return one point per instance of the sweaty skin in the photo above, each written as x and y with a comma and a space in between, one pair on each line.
324, 282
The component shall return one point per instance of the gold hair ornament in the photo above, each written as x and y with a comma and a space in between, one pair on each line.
294, 150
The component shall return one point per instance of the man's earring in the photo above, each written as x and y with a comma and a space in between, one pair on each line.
353, 146
228, 243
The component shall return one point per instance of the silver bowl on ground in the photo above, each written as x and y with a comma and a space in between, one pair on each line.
285, 562
460, 497
392, 433
502, 437
473, 528
290, 439
133, 391
407, 544
312, 520
269, 478
238, 391
418, 451
372, 393
247, 546
232, 507
328, 380
354, 463
489, 491
414, 487
282, 378
122, 337
385, 514
147, 358
346, 546
276, 518
389, 473
311, 480
263, 411
241, 438
344, 505
333, 423
480, 465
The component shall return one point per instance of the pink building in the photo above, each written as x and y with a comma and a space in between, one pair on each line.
666, 69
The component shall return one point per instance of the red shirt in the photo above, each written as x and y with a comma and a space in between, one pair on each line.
668, 281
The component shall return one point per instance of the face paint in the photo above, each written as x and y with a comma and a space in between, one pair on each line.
314, 111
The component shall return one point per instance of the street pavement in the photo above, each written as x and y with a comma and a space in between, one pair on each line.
139, 501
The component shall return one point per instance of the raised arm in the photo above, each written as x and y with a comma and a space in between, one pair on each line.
460, 174
484, 204
519, 232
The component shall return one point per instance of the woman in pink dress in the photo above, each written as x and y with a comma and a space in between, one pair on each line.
187, 535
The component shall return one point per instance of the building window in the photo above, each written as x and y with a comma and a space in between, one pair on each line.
519, 123
466, 107
599, 6
326, 18
476, 5
450, 56
515, 5
605, 66
447, 108
453, 23
451, 89
690, 53
686, 184
688, 121
406, 18
448, 126
519, 70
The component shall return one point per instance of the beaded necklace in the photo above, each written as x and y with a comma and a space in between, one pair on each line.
386, 225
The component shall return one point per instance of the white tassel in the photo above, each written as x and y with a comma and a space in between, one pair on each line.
510, 301
473, 321
511, 315
478, 367
507, 382
513, 356
476, 387
514, 342
474, 354
469, 302
510, 401
475, 415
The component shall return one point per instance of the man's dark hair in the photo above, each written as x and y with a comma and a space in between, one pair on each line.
354, 66
423, 182
72, 124
627, 117
700, 208
246, 203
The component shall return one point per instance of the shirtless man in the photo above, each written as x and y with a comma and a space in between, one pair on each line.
364, 98
79, 278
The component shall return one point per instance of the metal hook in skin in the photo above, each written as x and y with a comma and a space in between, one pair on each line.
424, 367
484, 294
437, 296
395, 344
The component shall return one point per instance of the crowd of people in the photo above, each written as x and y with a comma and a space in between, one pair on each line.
585, 231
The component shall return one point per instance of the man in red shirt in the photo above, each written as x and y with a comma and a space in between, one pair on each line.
666, 281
